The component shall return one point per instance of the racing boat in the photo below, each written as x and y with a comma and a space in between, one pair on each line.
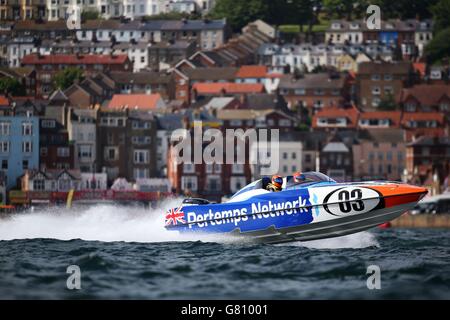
315, 208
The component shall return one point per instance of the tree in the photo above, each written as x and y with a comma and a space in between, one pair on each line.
438, 49
90, 15
240, 12
65, 78
11, 86
344, 8
441, 15
388, 103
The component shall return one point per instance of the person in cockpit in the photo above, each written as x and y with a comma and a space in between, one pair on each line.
299, 177
276, 184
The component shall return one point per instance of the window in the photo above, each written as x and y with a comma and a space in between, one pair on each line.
375, 90
189, 183
63, 152
4, 164
25, 164
111, 153
141, 173
375, 77
188, 168
5, 128
237, 168
39, 185
85, 151
141, 156
44, 152
388, 77
27, 147
4, 146
27, 128
284, 123
48, 123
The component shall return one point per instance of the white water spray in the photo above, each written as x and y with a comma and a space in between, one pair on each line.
110, 223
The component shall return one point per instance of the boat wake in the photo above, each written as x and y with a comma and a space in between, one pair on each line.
109, 223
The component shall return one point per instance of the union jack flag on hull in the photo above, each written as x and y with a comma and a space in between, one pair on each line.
175, 216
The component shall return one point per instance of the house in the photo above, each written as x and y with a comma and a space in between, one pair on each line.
27, 106
251, 118
92, 90
380, 120
142, 102
167, 124
426, 98
47, 66
164, 55
144, 82
126, 143
428, 156
17, 48
314, 91
55, 150
336, 159
283, 159
379, 155
61, 180
23, 10
429, 124
225, 88
332, 118
19, 147
207, 180
251, 74
82, 130
186, 75
381, 81
42, 29
26, 76
207, 34
94, 181
340, 32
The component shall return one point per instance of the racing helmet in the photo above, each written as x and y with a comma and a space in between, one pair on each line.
299, 177
277, 181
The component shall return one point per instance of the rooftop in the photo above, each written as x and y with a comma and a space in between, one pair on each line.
135, 101
33, 59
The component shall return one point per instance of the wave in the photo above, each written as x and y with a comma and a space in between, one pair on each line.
110, 223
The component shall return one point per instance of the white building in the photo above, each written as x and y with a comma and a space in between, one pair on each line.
17, 48
82, 131
133, 9
285, 158
94, 181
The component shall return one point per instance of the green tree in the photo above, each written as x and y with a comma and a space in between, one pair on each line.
65, 78
11, 86
90, 15
438, 49
441, 15
344, 8
240, 12
388, 103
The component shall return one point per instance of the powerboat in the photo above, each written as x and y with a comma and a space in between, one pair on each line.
315, 208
